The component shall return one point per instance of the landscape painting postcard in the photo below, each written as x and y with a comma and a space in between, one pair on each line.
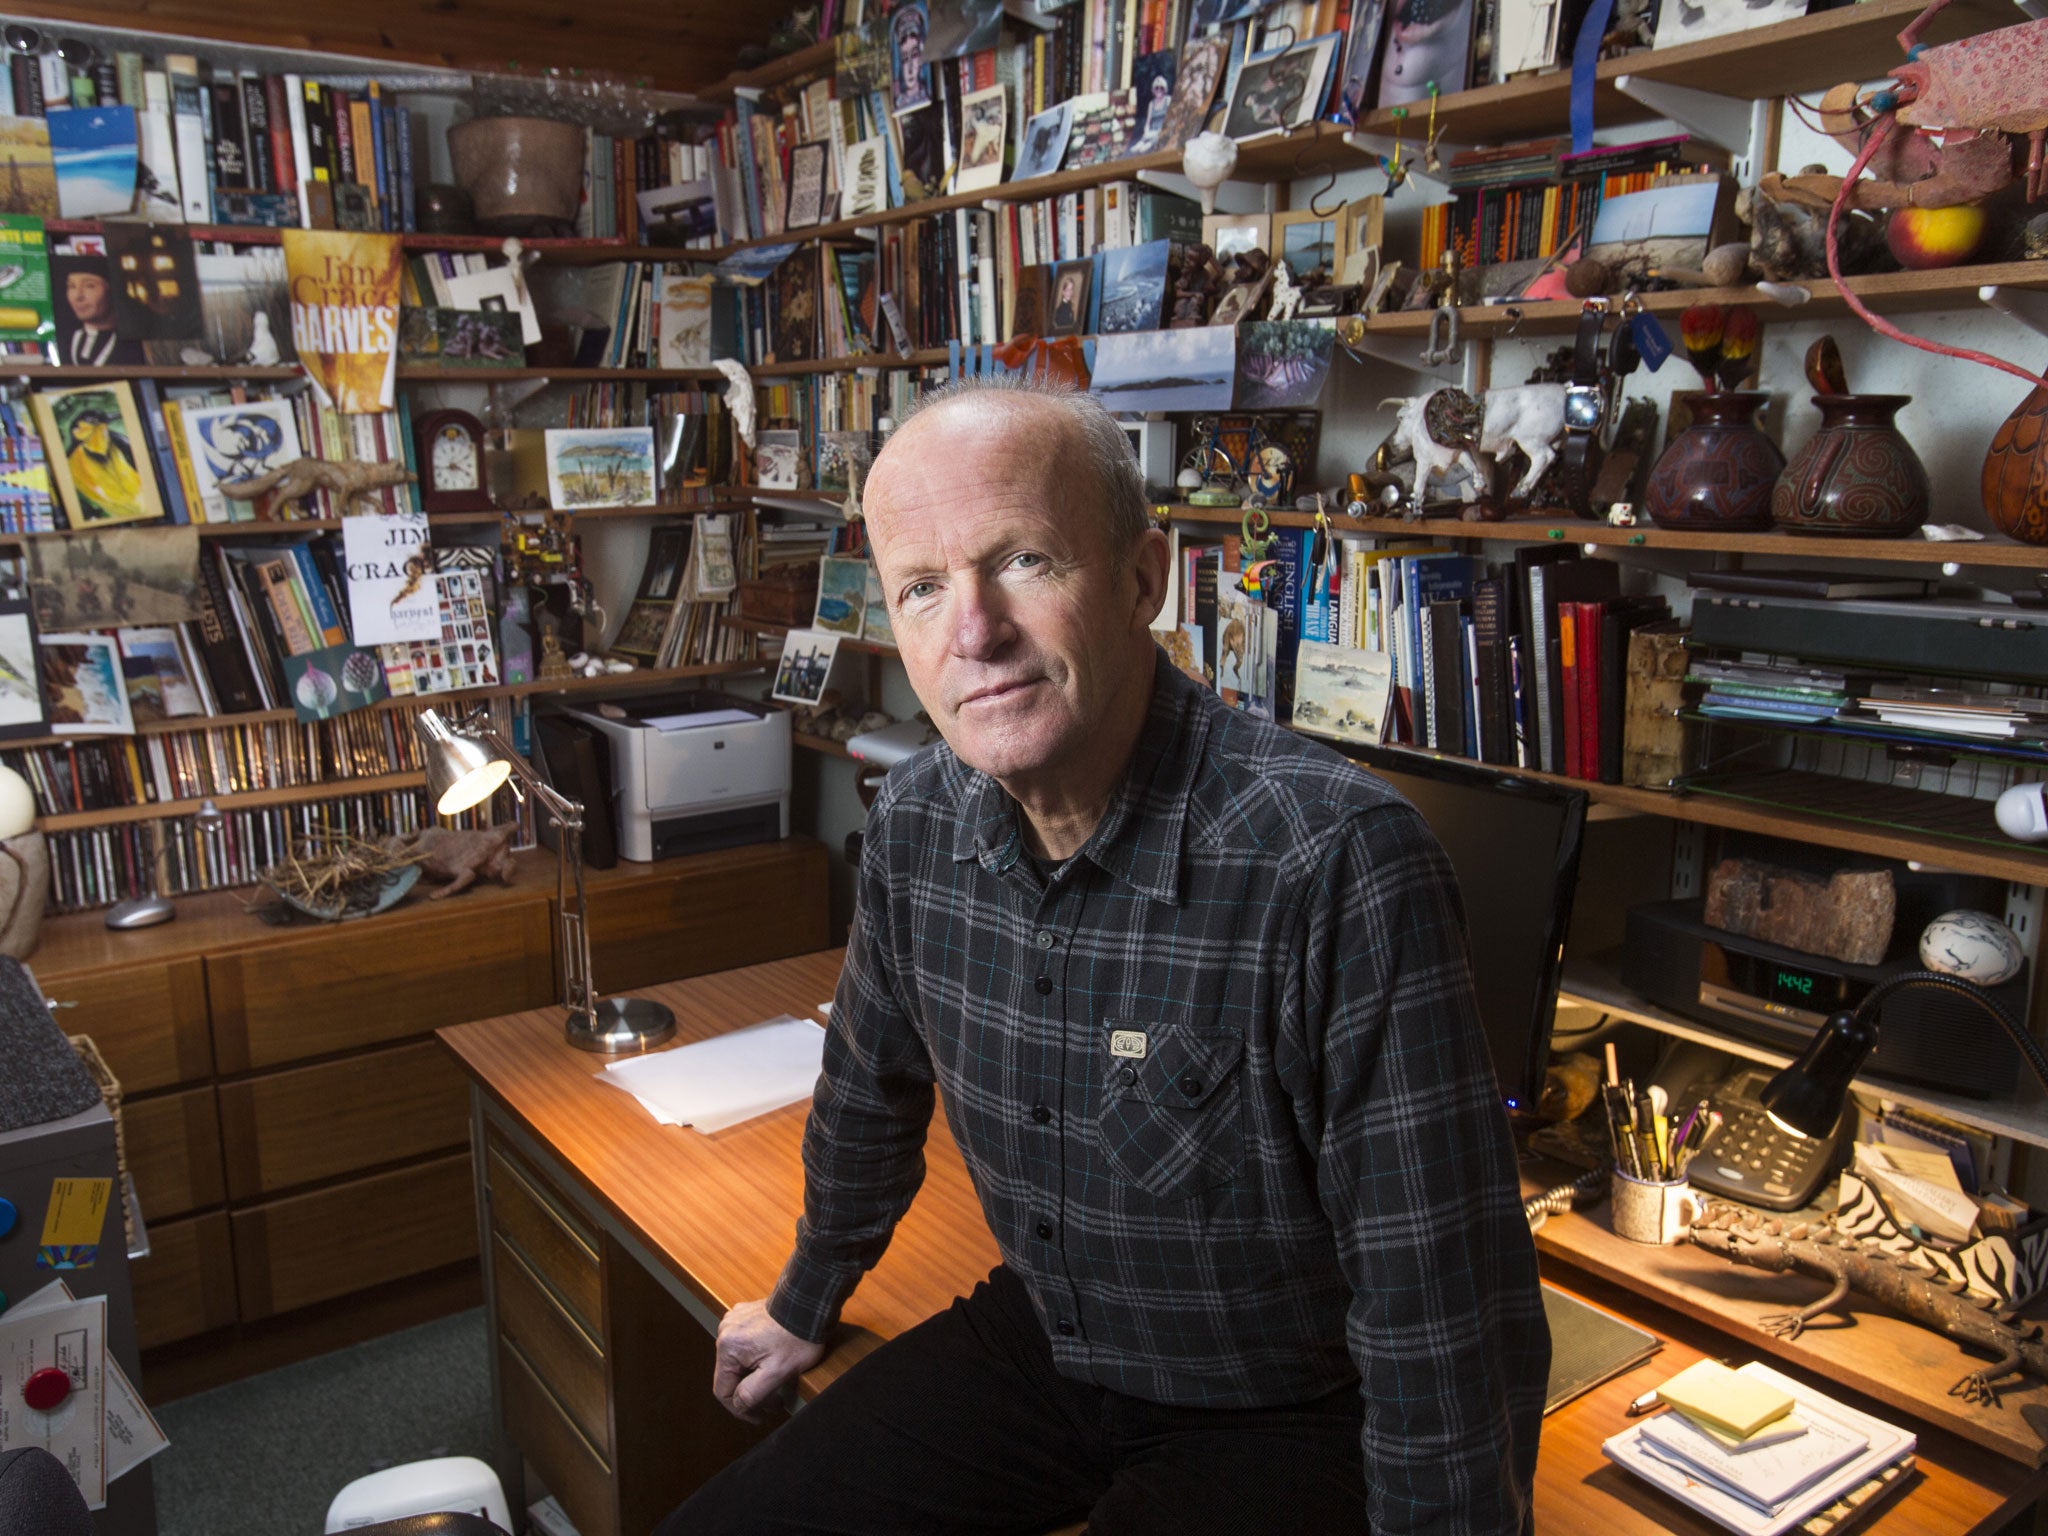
115, 576
1185, 370
94, 151
22, 711
842, 595
1341, 692
600, 467
1281, 364
84, 686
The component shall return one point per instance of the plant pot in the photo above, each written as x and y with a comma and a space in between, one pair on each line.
1717, 474
1856, 475
2016, 472
523, 174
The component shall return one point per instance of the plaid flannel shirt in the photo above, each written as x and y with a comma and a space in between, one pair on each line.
1222, 1090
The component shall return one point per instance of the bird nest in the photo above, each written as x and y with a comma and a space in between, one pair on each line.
334, 875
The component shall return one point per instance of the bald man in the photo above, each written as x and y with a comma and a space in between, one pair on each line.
1196, 993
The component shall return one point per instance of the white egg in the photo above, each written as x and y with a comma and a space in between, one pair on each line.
1973, 945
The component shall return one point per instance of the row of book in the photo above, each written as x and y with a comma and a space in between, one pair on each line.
824, 421
97, 866
692, 421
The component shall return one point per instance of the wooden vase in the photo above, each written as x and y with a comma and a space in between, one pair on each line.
2015, 483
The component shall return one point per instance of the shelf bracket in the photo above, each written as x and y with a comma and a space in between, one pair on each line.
1732, 122
2026, 305
1407, 353
1231, 197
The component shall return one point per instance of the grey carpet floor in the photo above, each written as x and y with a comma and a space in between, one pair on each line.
265, 1456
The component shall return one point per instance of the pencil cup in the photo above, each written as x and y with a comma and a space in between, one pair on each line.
1646, 1211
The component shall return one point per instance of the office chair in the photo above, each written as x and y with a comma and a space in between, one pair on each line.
38, 1498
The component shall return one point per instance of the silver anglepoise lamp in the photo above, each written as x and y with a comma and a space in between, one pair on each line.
148, 911
466, 764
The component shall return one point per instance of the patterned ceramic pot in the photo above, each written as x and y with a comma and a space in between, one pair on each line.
1717, 474
1855, 475
2016, 472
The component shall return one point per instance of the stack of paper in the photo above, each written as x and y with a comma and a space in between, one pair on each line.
1921, 1188
1772, 1489
729, 1078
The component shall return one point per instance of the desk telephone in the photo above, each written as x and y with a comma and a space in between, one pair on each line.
1751, 1160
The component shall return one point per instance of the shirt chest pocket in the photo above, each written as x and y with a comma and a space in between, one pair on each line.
1172, 1118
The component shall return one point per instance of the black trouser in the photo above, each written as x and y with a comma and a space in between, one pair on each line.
962, 1426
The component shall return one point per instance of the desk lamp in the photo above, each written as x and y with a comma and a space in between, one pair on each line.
148, 911
1805, 1099
467, 763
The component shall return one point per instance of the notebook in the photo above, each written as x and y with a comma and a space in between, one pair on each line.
1587, 1347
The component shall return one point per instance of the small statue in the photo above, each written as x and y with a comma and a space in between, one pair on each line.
1788, 237
553, 664
1286, 296
1196, 288
347, 480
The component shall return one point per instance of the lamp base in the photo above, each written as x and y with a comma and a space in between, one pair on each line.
623, 1024
141, 912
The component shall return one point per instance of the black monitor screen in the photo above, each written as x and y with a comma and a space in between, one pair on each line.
1514, 844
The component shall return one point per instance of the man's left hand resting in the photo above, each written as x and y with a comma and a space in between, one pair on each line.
757, 1357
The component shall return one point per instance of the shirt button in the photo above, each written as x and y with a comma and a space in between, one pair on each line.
1044, 985
1066, 1327
1191, 1086
1128, 1076
1042, 939
1044, 1230
1040, 1113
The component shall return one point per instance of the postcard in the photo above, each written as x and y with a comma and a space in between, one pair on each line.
84, 686
160, 685
498, 290
1281, 364
877, 627
1198, 74
1192, 369
961, 27
777, 455
1102, 127
21, 673
98, 454
684, 337
156, 281
1663, 227
1428, 45
861, 60
1152, 76
29, 183
1045, 142
600, 467
1134, 287
332, 681
1341, 692
982, 116
386, 560
94, 150
806, 184
113, 576
805, 667
237, 442
1247, 648
909, 88
865, 178
1693, 20
842, 595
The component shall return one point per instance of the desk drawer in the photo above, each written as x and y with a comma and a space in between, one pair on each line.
173, 1144
566, 1359
310, 1123
389, 978
187, 1284
534, 1220
751, 904
569, 1465
293, 1252
149, 1021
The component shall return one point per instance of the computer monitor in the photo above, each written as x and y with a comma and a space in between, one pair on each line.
1514, 845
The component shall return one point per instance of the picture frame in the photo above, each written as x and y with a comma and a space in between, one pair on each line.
1307, 242
1231, 234
24, 711
1361, 226
806, 184
1066, 311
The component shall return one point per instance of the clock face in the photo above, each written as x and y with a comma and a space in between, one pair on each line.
454, 460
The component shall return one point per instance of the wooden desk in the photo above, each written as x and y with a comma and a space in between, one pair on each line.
615, 1412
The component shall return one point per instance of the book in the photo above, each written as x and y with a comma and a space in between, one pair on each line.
1825, 584
188, 132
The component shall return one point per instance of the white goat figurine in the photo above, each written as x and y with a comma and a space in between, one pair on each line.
1529, 417
1525, 416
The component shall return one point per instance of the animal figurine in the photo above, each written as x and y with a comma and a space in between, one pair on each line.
459, 856
1851, 1263
1195, 287
1529, 417
347, 480
1286, 297
1440, 429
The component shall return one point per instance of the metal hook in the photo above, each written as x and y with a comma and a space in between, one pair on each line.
1277, 26
1314, 202
1445, 341
1514, 314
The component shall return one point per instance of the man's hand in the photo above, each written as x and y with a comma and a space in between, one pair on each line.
757, 1357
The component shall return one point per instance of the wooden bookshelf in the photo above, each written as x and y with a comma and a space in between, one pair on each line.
776, 631
242, 800
259, 528
1558, 527
578, 251
790, 67
825, 746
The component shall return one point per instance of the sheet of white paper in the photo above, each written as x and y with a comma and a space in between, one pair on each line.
72, 1337
732, 1077
133, 1434
699, 720
824, 1010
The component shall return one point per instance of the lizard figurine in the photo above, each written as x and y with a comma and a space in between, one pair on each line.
1819, 1249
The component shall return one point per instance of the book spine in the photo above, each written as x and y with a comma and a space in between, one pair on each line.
28, 87
1588, 646
230, 135
188, 122
342, 120
325, 615
1568, 692
256, 118
227, 668
181, 459
293, 114
408, 214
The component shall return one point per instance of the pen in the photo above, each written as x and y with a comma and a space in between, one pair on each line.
1646, 1128
1645, 1403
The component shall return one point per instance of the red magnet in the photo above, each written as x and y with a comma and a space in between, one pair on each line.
46, 1389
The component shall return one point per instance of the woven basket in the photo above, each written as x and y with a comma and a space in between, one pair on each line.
110, 1090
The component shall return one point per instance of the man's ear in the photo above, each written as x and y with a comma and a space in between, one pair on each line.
1150, 563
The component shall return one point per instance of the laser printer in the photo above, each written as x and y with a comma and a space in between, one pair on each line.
692, 771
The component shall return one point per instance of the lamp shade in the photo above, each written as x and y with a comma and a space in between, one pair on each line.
17, 804
1806, 1098
461, 772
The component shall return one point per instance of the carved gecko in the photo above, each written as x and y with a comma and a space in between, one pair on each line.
1818, 1249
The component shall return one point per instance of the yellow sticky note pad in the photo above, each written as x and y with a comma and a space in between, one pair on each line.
73, 1223
1709, 1393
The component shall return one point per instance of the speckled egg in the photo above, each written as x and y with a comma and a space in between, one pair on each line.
1973, 945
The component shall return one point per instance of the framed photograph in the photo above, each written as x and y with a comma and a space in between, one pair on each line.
1232, 234
1196, 77
982, 121
600, 467
84, 689
1241, 300
1134, 287
1427, 40
1045, 142
1360, 226
908, 87
842, 595
806, 184
778, 454
84, 309
1068, 313
864, 178
22, 708
1027, 313
1152, 77
1308, 244
805, 666
98, 454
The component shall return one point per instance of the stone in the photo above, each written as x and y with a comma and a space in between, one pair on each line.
1845, 916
